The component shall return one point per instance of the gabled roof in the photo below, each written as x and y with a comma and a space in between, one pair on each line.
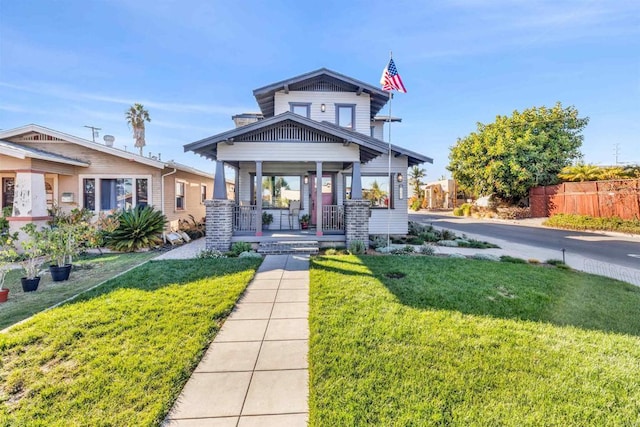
316, 80
369, 147
10, 133
21, 152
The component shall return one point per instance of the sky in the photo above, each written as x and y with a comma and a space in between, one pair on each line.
66, 64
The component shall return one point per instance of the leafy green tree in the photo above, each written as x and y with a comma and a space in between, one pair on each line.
508, 157
415, 180
136, 116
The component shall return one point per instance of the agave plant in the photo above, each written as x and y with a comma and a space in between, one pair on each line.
139, 228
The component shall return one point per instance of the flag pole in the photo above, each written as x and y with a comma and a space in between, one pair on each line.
389, 170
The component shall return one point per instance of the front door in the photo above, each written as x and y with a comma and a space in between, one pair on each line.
327, 194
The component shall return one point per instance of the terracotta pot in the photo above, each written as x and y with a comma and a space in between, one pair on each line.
30, 285
4, 294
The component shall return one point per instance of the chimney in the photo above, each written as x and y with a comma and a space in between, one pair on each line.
246, 118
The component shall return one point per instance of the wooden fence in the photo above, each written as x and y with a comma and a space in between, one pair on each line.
596, 198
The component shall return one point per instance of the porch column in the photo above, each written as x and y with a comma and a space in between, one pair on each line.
356, 182
318, 198
29, 200
220, 185
258, 191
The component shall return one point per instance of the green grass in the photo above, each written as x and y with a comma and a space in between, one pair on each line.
120, 354
470, 343
586, 222
89, 270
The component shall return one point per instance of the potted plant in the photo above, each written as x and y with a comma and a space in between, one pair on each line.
267, 219
33, 257
304, 221
8, 254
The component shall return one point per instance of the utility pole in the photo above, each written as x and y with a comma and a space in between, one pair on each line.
94, 132
616, 152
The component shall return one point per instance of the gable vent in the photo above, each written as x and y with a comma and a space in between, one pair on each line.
286, 131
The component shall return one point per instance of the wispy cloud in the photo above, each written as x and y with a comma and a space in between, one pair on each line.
64, 92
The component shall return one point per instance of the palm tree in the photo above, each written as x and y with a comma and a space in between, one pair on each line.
580, 173
136, 116
415, 179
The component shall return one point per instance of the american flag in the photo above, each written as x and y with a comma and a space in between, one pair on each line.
390, 79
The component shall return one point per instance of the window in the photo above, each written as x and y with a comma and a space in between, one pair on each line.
374, 188
346, 115
8, 190
203, 193
372, 131
278, 191
179, 195
300, 108
108, 193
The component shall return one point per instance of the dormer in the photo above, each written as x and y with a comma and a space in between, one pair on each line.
325, 96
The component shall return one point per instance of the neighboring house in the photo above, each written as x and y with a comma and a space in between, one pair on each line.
41, 167
318, 143
440, 194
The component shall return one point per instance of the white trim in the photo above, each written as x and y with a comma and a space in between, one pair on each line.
82, 177
184, 195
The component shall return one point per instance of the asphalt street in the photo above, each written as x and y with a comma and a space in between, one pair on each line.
611, 249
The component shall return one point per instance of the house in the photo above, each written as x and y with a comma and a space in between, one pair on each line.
41, 167
317, 142
440, 194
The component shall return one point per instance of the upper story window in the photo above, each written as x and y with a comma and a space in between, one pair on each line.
346, 116
301, 108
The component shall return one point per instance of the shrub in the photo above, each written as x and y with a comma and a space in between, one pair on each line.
513, 260
447, 235
466, 209
415, 205
357, 247
586, 222
448, 243
194, 229
533, 261
476, 244
558, 264
415, 228
138, 228
486, 257
210, 253
377, 241
250, 254
429, 236
415, 240
427, 249
238, 247
458, 211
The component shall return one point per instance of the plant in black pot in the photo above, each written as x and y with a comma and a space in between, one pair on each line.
33, 257
62, 244
267, 219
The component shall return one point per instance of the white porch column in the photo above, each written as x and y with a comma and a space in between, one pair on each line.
29, 200
318, 198
220, 185
258, 191
356, 182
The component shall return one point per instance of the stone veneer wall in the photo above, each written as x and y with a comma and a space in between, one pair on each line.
356, 221
219, 224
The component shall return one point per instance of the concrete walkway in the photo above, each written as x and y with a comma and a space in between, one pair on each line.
255, 373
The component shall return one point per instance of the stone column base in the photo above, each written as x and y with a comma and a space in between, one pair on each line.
356, 221
219, 224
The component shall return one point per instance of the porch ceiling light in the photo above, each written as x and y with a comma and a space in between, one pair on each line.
323, 108
306, 179
399, 177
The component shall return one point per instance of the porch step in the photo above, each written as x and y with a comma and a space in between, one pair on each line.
289, 247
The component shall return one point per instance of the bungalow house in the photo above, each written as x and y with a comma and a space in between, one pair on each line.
316, 148
41, 167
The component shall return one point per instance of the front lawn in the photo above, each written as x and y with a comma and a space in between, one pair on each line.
120, 354
88, 271
407, 341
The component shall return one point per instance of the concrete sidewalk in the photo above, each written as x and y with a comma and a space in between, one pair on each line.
255, 373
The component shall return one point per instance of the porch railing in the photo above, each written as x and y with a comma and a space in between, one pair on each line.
332, 217
245, 218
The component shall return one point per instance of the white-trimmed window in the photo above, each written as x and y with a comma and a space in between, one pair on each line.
375, 188
301, 108
203, 193
180, 195
106, 193
346, 116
